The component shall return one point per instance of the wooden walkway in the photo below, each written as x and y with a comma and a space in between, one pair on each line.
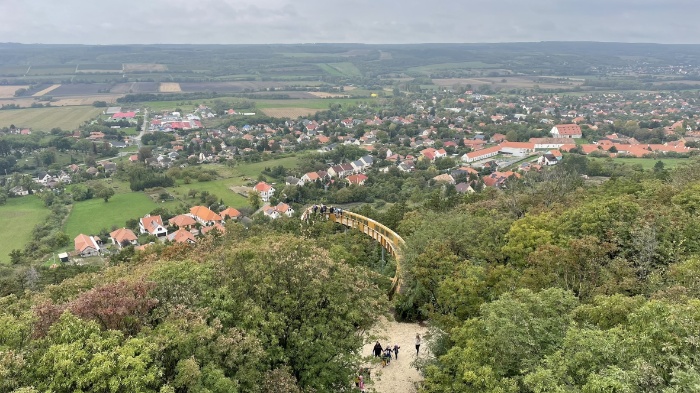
388, 239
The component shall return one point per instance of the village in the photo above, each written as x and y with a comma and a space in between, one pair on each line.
470, 140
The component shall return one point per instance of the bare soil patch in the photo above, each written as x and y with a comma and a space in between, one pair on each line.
291, 113
144, 67
170, 87
321, 94
241, 190
9, 91
45, 91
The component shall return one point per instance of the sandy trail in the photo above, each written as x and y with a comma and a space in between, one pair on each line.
398, 376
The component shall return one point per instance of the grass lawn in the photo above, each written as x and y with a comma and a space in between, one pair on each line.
220, 188
648, 163
231, 177
19, 216
44, 119
91, 216
254, 169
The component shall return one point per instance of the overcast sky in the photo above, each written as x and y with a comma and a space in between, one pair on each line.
362, 21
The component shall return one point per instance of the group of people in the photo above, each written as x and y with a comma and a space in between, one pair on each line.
323, 209
385, 352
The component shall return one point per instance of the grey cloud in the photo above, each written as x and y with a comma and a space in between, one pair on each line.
370, 21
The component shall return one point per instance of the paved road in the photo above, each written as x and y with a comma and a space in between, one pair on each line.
144, 127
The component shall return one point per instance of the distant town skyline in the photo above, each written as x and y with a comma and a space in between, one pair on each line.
357, 21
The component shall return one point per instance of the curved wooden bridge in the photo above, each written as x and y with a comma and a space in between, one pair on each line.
387, 238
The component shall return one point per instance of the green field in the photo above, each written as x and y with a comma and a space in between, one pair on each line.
91, 216
45, 119
232, 177
320, 103
648, 163
329, 69
220, 188
346, 68
19, 216
453, 66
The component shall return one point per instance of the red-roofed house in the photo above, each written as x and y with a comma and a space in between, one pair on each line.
566, 131
87, 246
217, 227
357, 179
153, 225
309, 177
230, 213
481, 154
181, 236
123, 237
265, 190
275, 212
124, 115
431, 153
204, 216
182, 221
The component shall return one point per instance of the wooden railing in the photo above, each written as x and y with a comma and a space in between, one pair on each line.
388, 239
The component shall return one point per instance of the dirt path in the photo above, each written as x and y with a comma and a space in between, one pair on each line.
398, 376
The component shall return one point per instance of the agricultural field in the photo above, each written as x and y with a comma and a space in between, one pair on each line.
46, 90
9, 91
453, 66
85, 100
346, 69
45, 119
12, 71
318, 103
24, 213
80, 89
144, 67
99, 67
92, 216
291, 113
135, 87
508, 82
169, 87
229, 87
61, 69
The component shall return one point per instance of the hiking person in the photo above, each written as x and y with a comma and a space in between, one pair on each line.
417, 343
377, 350
362, 384
396, 351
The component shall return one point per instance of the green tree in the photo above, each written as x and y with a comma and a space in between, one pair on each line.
254, 200
105, 193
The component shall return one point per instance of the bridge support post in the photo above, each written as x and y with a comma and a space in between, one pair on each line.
383, 254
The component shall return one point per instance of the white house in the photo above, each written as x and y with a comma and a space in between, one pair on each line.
152, 225
265, 190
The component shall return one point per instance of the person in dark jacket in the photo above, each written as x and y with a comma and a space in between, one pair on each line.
377, 349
